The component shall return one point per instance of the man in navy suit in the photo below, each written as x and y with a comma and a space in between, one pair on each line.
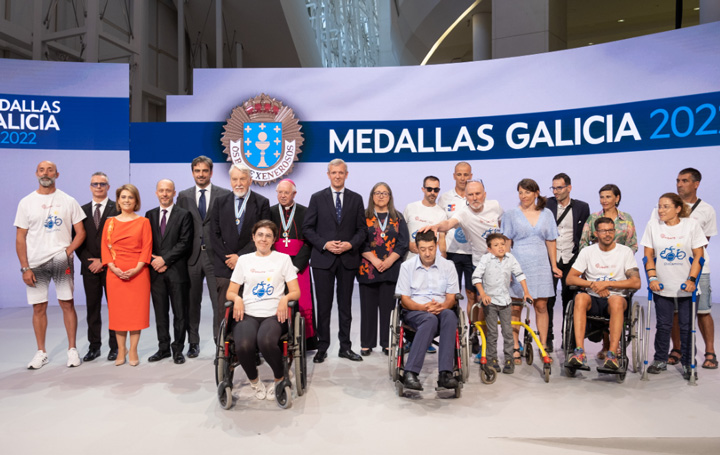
570, 216
172, 232
199, 200
91, 268
335, 227
232, 219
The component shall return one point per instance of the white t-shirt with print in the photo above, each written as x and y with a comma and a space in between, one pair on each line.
264, 278
455, 239
418, 215
49, 219
478, 225
673, 247
599, 265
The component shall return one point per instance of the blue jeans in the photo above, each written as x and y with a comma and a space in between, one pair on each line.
664, 310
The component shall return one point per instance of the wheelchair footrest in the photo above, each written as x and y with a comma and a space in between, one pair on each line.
611, 371
582, 368
443, 389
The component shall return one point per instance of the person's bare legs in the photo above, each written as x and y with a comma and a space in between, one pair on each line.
70, 319
616, 308
122, 346
542, 319
583, 302
134, 341
707, 330
39, 321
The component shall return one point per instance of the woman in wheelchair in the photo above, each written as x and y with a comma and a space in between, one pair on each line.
605, 269
262, 311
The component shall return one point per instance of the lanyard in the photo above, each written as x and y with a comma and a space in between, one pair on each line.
383, 226
239, 213
286, 226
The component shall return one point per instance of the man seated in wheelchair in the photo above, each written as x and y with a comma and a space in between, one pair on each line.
427, 285
604, 269
262, 311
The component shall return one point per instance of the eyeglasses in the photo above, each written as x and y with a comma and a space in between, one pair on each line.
605, 231
381, 193
99, 184
558, 188
431, 189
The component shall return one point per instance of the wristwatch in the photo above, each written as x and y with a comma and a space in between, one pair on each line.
691, 278
24, 269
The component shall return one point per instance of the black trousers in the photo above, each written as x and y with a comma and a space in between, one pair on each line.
252, 334
203, 268
566, 296
374, 297
94, 285
223, 284
324, 284
166, 292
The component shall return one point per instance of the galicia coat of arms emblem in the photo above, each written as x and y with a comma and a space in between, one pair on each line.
265, 136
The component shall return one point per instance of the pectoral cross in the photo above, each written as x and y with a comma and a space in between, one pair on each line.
286, 241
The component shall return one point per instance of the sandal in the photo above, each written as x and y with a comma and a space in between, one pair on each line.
712, 361
675, 357
518, 359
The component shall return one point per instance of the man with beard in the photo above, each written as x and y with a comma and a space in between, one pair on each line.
232, 219
44, 220
425, 212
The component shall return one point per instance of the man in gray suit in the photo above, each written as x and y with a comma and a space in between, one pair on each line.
199, 200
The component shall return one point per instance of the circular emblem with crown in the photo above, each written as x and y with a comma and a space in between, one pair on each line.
265, 136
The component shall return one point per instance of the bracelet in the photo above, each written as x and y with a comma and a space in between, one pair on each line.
691, 279
653, 278
648, 270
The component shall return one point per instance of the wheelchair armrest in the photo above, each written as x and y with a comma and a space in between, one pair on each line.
459, 297
292, 304
228, 304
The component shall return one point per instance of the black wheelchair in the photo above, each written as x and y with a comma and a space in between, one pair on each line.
597, 327
293, 348
402, 334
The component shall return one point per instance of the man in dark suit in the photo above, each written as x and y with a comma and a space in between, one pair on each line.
232, 219
570, 215
199, 201
288, 216
91, 268
335, 227
172, 232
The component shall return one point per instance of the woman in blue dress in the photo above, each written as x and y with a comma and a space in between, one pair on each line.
533, 231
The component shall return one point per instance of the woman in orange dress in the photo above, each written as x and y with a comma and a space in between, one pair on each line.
126, 250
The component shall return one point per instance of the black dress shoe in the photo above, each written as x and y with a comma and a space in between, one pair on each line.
350, 355
159, 356
411, 381
320, 357
447, 380
91, 355
365, 352
386, 351
179, 358
193, 350
112, 355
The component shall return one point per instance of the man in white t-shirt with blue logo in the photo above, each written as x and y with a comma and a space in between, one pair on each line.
425, 212
605, 269
44, 220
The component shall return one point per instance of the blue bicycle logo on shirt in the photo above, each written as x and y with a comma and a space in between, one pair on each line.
263, 289
52, 222
670, 254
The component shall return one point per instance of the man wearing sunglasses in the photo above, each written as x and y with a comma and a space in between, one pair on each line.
96, 213
425, 212
570, 216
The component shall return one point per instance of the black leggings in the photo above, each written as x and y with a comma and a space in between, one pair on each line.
252, 333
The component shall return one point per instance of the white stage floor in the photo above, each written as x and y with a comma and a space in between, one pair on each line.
349, 407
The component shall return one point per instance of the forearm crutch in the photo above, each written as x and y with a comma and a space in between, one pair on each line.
646, 341
693, 348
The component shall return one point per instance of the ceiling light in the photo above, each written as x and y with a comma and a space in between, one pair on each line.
696, 9
621, 20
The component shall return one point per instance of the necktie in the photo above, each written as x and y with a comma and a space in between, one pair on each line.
202, 204
242, 215
163, 223
338, 206
96, 216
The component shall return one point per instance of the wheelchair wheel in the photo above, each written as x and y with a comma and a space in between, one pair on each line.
458, 391
488, 375
223, 372
224, 395
620, 378
464, 348
570, 372
299, 357
569, 334
394, 343
546, 372
283, 396
528, 352
637, 332
399, 389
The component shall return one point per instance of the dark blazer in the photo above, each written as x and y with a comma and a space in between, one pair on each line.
321, 226
580, 214
301, 259
175, 245
225, 237
186, 200
90, 248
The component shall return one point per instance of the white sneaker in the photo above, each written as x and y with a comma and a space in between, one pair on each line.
38, 361
73, 358
259, 388
271, 392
